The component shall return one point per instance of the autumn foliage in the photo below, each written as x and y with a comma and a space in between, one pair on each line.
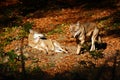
52, 18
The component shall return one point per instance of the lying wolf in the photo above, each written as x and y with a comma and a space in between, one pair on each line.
83, 31
40, 42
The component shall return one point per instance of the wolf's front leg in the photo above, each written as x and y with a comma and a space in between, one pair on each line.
44, 50
93, 39
78, 49
92, 46
80, 43
93, 43
58, 48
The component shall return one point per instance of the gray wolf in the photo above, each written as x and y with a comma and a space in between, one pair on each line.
40, 42
84, 30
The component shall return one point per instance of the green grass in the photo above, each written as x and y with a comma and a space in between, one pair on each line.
96, 54
10, 34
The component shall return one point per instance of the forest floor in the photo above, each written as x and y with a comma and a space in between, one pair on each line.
70, 66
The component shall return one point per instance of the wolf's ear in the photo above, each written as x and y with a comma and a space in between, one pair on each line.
31, 31
78, 23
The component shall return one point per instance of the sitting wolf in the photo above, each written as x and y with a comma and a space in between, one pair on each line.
40, 42
83, 31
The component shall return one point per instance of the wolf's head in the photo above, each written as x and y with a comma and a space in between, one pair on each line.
35, 36
75, 29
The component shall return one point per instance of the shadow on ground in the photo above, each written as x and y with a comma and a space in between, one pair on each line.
79, 72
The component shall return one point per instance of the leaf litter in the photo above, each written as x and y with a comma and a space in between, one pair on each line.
54, 63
